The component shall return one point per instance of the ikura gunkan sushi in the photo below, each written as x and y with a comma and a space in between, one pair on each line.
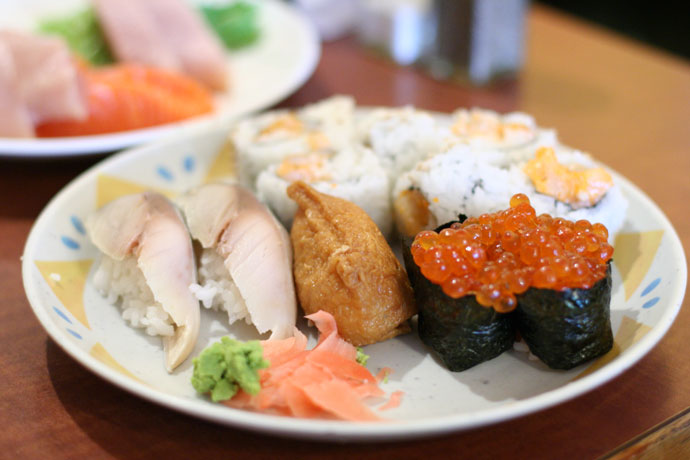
479, 281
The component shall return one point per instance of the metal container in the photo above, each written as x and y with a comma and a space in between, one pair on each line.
466, 40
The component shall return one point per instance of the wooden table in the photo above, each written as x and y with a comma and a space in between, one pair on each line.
626, 103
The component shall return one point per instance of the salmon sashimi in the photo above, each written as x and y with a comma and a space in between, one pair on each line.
169, 34
125, 97
42, 74
324, 382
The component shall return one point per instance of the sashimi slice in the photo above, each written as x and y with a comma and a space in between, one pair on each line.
133, 36
15, 120
197, 48
46, 76
167, 34
126, 97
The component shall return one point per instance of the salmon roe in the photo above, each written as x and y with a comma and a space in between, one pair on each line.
498, 256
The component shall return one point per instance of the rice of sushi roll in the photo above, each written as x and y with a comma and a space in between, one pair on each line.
471, 181
402, 137
260, 141
353, 174
515, 133
549, 276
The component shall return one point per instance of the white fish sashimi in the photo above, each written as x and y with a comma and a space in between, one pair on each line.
169, 34
256, 251
15, 120
133, 36
148, 227
47, 78
200, 52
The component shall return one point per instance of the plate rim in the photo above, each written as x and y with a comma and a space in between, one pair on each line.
92, 145
348, 431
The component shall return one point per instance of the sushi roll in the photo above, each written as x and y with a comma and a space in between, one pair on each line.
468, 180
353, 174
269, 138
402, 137
515, 133
549, 278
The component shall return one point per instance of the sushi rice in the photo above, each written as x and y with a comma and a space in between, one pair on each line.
401, 138
124, 281
268, 138
354, 174
515, 133
471, 181
216, 290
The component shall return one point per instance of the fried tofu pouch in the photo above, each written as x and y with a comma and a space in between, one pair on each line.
343, 265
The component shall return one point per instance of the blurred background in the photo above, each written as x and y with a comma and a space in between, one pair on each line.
662, 24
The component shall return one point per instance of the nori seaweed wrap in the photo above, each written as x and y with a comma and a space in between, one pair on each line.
479, 281
566, 328
460, 331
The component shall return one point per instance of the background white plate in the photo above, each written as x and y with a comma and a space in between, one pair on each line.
261, 75
649, 283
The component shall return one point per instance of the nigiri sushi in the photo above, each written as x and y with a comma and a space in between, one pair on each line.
246, 261
148, 263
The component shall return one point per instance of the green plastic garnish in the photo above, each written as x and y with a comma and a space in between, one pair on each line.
83, 35
226, 366
362, 357
235, 23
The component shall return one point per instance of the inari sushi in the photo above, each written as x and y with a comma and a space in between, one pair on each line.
547, 278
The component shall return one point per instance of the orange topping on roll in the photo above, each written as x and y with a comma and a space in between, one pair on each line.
578, 188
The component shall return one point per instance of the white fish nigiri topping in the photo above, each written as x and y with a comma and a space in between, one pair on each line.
255, 249
149, 228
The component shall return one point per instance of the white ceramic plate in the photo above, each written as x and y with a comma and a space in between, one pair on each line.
260, 75
649, 282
